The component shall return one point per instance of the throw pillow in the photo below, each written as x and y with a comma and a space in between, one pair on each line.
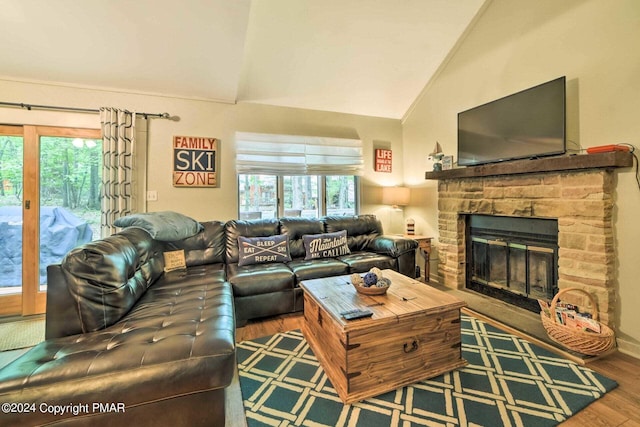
327, 245
174, 260
166, 226
259, 250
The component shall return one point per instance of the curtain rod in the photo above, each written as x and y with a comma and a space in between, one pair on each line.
81, 110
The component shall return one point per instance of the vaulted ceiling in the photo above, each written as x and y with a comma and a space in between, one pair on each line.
369, 57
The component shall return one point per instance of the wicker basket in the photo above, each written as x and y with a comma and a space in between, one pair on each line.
589, 343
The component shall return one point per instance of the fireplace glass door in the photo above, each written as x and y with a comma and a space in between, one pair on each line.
498, 256
518, 268
541, 261
479, 271
513, 259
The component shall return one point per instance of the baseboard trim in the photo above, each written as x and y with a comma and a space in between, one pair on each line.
629, 348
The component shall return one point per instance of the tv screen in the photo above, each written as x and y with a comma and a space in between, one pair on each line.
527, 124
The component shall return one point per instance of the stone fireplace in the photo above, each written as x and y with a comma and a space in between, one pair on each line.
579, 197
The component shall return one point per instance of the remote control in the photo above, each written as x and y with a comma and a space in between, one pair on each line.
358, 315
344, 313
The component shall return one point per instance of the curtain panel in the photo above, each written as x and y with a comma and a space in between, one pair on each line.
118, 151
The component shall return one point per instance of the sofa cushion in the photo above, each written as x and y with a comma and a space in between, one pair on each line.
212, 272
107, 277
361, 229
313, 269
164, 226
297, 227
206, 247
326, 245
260, 250
247, 228
259, 278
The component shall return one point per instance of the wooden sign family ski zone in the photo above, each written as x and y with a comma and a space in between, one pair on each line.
194, 161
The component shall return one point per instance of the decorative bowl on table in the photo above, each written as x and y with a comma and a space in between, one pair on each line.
371, 283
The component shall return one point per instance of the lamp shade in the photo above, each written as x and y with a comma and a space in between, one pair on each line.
395, 196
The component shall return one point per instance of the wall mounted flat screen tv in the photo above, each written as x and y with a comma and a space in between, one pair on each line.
527, 124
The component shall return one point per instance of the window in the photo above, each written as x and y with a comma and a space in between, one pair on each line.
258, 196
307, 196
341, 195
301, 195
286, 175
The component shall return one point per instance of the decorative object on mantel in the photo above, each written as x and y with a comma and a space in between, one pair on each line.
573, 337
447, 162
436, 155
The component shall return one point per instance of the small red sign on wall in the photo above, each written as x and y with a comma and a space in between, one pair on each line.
383, 160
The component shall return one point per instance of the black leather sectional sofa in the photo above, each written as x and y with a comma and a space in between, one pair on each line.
267, 289
127, 342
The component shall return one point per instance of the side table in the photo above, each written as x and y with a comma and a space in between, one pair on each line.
424, 248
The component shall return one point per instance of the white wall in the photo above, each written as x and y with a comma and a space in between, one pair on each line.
210, 119
516, 44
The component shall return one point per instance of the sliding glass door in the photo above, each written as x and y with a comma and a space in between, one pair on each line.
49, 203
11, 219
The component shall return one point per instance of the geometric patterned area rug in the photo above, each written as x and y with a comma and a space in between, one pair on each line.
508, 382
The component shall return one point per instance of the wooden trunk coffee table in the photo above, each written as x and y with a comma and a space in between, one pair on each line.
414, 334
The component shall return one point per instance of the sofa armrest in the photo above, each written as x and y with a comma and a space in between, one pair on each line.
62, 317
394, 246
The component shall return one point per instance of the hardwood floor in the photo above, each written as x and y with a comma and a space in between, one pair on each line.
269, 326
620, 407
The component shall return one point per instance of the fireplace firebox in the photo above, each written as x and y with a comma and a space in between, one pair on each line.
513, 259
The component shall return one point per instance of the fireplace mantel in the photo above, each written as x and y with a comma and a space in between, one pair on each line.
615, 159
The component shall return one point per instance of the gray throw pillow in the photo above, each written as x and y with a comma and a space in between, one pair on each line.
166, 226
327, 245
260, 250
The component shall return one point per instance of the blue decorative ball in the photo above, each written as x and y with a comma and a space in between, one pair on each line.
370, 279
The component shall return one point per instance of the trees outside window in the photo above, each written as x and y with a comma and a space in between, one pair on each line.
341, 195
310, 196
72, 169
